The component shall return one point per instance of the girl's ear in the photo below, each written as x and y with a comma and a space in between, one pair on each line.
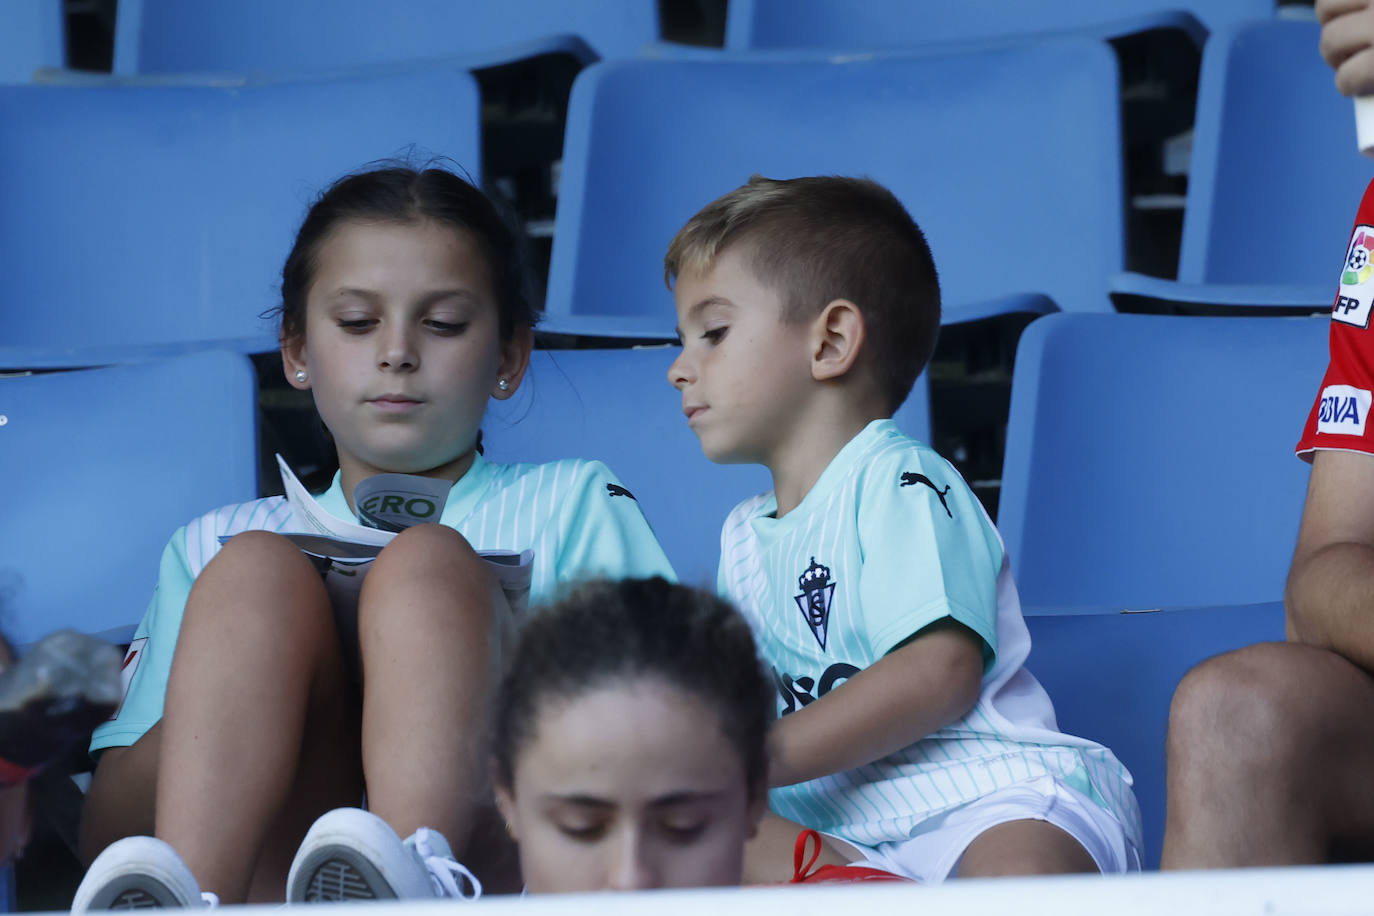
505, 804
293, 363
515, 359
837, 337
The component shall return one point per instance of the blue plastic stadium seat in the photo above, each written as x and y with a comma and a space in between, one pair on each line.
32, 37
151, 219
1149, 459
1010, 160
1275, 177
617, 406
171, 36
101, 466
876, 24
1112, 677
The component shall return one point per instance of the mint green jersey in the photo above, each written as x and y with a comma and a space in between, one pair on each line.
573, 514
888, 541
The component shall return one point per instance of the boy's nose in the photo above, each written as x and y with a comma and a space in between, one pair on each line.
679, 374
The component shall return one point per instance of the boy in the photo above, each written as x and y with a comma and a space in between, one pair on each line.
879, 591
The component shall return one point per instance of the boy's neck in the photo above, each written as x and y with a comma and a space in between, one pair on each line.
815, 440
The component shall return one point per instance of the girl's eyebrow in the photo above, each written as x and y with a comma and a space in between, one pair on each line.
372, 296
662, 801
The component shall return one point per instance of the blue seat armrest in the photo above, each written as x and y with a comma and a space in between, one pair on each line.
1128, 285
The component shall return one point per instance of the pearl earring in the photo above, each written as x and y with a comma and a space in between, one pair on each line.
301, 376
503, 384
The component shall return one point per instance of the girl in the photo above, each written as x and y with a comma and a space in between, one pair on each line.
402, 312
628, 750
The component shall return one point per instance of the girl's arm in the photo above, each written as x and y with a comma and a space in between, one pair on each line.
916, 689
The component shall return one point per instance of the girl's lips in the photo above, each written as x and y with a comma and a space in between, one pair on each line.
693, 412
394, 403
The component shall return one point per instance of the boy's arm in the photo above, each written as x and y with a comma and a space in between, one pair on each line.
921, 686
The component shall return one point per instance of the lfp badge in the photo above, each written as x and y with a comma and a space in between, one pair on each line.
1356, 294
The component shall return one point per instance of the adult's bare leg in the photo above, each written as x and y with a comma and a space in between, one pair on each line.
1270, 749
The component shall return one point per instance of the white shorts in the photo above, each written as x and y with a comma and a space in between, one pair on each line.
932, 855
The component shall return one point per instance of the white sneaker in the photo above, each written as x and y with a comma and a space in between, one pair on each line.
351, 854
139, 873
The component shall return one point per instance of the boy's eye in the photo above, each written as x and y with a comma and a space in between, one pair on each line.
446, 327
715, 335
356, 325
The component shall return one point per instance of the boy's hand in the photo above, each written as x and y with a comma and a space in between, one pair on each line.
1347, 43
916, 689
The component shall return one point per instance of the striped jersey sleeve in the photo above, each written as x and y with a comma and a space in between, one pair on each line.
148, 661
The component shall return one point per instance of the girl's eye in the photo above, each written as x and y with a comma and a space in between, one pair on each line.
715, 335
583, 833
683, 832
356, 325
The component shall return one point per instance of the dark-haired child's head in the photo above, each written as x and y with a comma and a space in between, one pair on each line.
811, 242
403, 312
629, 739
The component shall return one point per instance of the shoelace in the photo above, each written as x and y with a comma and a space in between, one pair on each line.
801, 872
211, 899
444, 871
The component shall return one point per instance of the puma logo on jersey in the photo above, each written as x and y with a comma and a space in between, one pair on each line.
911, 477
616, 489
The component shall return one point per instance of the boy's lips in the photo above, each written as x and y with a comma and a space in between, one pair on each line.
693, 411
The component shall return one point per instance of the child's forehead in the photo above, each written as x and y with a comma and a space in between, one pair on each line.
730, 276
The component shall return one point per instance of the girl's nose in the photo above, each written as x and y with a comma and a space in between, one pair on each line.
397, 351
632, 869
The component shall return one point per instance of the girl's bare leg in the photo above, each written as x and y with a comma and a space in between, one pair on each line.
259, 733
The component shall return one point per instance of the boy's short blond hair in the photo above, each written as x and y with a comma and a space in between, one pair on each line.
815, 240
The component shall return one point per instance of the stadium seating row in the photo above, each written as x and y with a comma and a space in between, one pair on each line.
175, 36
182, 198
1149, 469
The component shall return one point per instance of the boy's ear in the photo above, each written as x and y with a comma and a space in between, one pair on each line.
293, 361
515, 359
838, 335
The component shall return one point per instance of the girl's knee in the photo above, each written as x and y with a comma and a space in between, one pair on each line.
429, 551
261, 554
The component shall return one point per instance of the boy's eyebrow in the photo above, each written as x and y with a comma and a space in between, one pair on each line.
699, 306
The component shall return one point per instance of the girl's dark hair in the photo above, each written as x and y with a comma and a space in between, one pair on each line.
606, 631
402, 194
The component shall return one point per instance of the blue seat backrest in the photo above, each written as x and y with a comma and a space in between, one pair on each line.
1009, 160
1112, 677
168, 36
617, 406
1149, 459
1275, 176
101, 466
163, 214
908, 23
32, 36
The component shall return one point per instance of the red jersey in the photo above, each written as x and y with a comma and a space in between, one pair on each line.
1338, 418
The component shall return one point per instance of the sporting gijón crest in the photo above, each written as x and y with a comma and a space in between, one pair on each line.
818, 589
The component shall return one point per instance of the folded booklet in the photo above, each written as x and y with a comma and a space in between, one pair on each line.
387, 504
